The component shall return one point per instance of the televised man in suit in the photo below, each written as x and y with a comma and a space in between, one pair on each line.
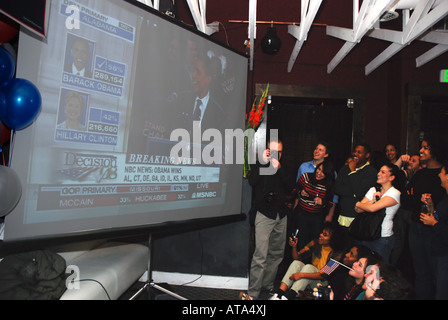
80, 53
196, 112
205, 110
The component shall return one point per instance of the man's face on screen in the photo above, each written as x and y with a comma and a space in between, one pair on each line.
80, 52
201, 80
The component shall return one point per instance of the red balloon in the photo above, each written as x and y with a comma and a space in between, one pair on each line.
9, 29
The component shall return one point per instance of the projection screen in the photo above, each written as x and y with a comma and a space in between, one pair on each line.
99, 156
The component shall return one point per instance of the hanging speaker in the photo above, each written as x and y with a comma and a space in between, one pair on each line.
271, 43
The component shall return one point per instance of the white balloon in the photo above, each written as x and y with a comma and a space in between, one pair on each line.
10, 190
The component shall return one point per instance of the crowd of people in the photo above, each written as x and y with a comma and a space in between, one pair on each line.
327, 259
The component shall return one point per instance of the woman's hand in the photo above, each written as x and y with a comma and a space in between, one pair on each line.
297, 276
304, 194
293, 242
378, 195
357, 208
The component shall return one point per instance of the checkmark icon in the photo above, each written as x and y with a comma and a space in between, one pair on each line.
100, 63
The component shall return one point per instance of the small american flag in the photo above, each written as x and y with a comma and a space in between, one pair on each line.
330, 266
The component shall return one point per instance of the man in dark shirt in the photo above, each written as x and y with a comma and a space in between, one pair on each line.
352, 183
270, 221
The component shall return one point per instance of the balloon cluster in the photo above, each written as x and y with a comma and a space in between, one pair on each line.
20, 103
20, 100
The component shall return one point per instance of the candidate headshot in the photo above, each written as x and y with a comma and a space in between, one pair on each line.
72, 111
78, 57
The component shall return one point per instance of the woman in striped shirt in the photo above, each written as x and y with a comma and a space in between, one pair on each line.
314, 192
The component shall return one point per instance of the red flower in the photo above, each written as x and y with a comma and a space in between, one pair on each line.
256, 113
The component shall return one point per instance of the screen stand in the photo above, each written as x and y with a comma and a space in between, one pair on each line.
149, 283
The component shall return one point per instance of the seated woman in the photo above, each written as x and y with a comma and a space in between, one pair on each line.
299, 275
386, 197
341, 281
314, 204
358, 272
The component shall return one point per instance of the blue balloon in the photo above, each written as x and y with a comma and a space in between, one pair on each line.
7, 65
20, 103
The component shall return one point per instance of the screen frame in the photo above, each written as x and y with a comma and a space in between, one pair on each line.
146, 228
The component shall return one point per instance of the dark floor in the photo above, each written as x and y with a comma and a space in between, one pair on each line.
196, 293
187, 292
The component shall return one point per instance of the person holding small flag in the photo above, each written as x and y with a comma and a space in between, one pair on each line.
299, 274
340, 280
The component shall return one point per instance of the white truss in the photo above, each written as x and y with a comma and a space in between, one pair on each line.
198, 10
419, 16
149, 3
309, 10
369, 14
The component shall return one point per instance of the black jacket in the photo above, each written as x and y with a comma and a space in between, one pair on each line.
353, 186
35, 275
270, 191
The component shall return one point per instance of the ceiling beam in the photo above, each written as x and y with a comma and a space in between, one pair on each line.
438, 37
309, 10
368, 15
425, 15
198, 10
252, 31
149, 3
431, 54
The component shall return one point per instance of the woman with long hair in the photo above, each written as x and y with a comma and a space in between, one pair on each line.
437, 221
425, 181
357, 273
300, 274
391, 152
385, 195
314, 203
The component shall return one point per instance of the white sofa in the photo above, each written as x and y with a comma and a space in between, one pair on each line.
102, 270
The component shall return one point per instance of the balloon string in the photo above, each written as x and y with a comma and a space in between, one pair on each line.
11, 146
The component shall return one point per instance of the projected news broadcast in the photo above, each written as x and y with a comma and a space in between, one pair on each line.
116, 80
